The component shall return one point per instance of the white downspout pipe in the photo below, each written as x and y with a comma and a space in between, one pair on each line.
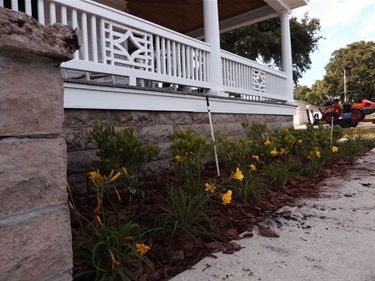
286, 53
212, 36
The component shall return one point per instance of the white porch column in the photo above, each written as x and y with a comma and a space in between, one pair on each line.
286, 52
212, 36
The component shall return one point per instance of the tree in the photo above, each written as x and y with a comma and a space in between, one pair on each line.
357, 62
319, 94
301, 92
263, 41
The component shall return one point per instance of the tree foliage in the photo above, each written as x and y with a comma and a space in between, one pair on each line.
301, 92
358, 62
263, 41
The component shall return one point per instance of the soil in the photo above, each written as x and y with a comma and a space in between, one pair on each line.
235, 221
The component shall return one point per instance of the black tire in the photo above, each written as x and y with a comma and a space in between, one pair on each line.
329, 116
348, 123
357, 115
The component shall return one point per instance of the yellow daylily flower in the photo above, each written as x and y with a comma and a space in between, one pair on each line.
142, 248
300, 141
100, 221
274, 152
256, 157
252, 167
194, 156
127, 238
114, 261
227, 197
238, 175
118, 194
283, 151
267, 142
111, 173
97, 209
178, 158
95, 175
71, 206
115, 177
335, 149
125, 171
210, 187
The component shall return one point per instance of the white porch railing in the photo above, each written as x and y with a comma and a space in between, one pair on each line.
129, 50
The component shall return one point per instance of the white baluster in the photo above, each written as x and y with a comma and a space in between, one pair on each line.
183, 58
75, 25
85, 39
178, 57
64, 16
197, 59
163, 62
174, 59
28, 7
169, 57
157, 46
94, 41
14, 5
52, 13
41, 17
189, 61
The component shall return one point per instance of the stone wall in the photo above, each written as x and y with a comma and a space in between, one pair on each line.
149, 126
34, 217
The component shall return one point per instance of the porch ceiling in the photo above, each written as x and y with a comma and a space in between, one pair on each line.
186, 16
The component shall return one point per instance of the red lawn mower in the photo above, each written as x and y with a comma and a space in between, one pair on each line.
349, 115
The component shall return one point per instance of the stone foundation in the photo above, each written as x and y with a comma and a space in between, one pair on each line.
34, 216
152, 127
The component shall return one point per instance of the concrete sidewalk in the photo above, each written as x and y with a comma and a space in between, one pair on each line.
331, 238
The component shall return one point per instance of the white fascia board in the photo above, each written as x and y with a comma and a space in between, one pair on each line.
81, 96
282, 5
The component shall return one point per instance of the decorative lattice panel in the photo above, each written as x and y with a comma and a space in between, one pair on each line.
259, 81
128, 47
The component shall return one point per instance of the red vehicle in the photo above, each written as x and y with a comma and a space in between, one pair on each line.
347, 116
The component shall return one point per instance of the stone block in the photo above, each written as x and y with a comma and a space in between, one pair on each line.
183, 118
85, 117
198, 118
33, 173
165, 152
78, 183
21, 33
35, 106
155, 134
131, 118
82, 161
36, 245
197, 128
157, 167
75, 138
234, 129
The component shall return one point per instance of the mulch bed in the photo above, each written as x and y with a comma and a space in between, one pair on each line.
236, 221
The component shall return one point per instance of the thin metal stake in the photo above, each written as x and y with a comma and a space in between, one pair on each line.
213, 136
330, 144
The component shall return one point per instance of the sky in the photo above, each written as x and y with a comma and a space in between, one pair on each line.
342, 22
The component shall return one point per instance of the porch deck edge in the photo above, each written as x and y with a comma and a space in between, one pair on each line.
88, 95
